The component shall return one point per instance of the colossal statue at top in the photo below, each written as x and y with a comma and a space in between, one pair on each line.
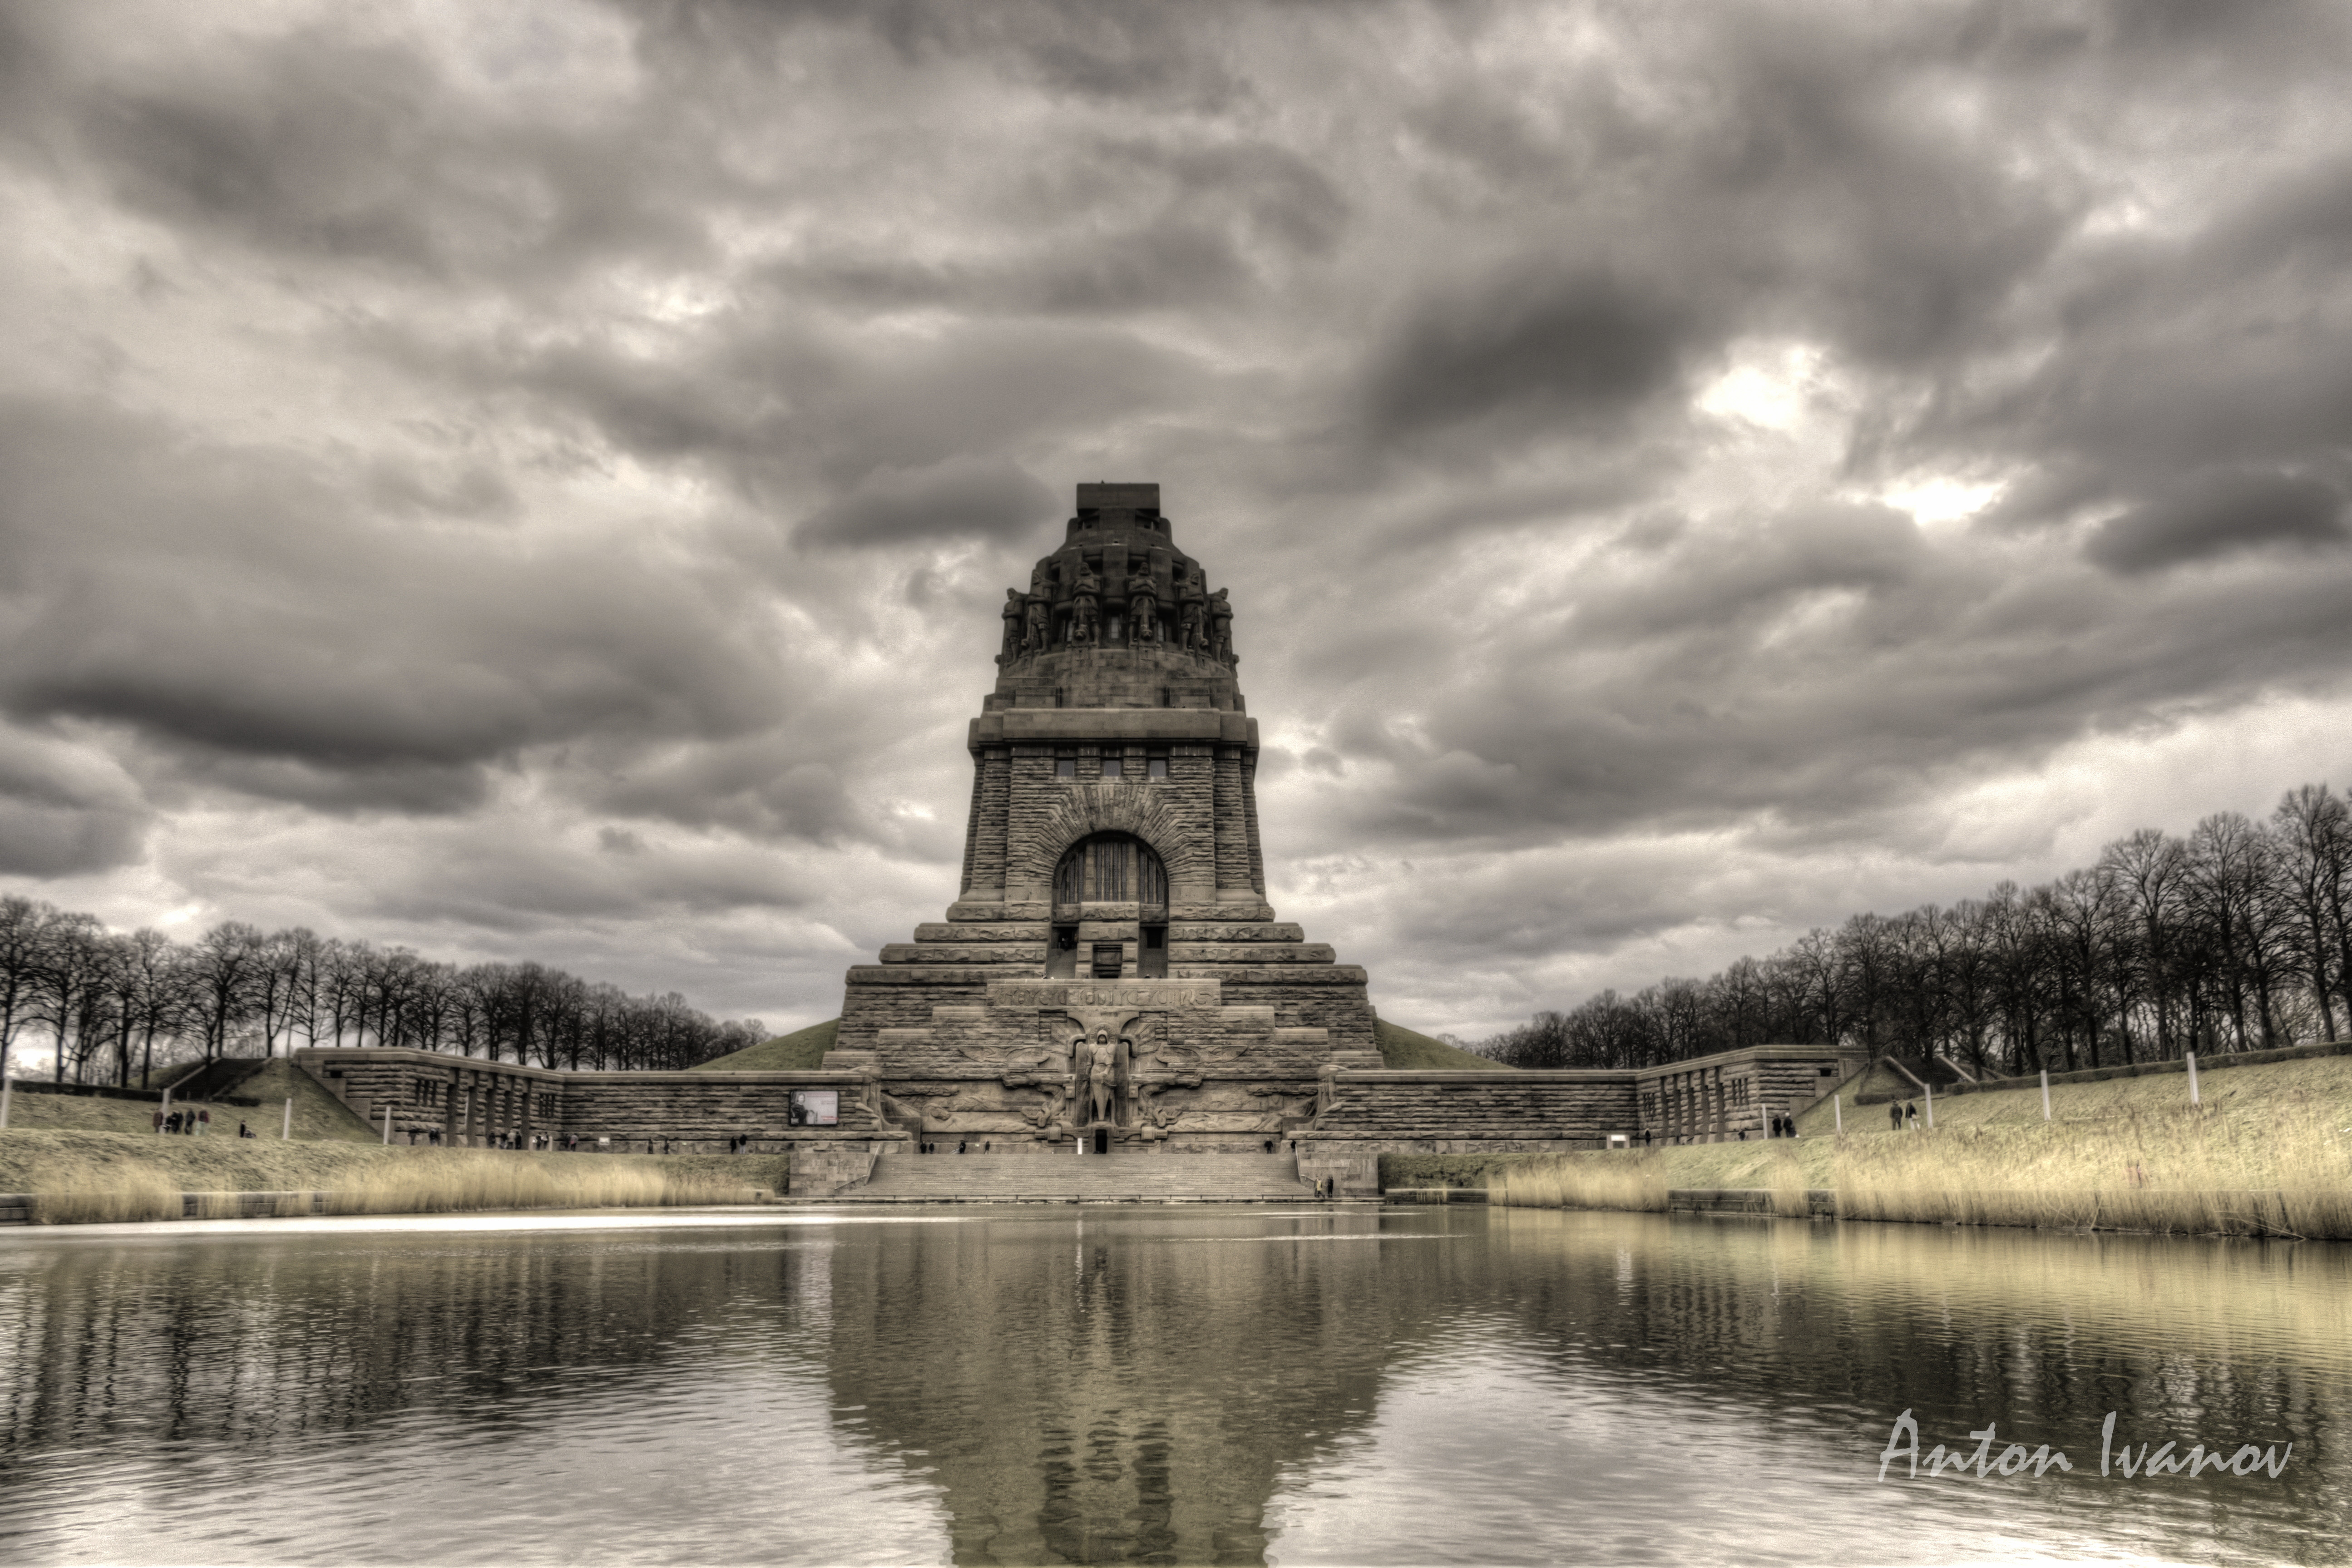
1117, 582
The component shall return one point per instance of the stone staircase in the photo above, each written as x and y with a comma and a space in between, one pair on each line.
1124, 1176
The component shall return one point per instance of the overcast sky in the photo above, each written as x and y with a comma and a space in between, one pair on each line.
539, 480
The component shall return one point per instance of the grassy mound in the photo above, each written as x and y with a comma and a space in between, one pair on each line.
797, 1052
1403, 1047
2245, 1096
318, 1114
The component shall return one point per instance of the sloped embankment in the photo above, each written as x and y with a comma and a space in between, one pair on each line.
87, 1176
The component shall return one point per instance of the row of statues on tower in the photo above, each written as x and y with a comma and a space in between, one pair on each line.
1204, 624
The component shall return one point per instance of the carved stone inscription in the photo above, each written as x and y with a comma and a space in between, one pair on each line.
1133, 996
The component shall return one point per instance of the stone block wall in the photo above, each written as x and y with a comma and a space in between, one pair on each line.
472, 1103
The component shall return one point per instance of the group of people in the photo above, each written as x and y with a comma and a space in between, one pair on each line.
1902, 1115
193, 1122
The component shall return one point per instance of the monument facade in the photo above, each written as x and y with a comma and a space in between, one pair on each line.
1110, 971
1109, 977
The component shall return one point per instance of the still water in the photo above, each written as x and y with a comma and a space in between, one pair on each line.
1159, 1385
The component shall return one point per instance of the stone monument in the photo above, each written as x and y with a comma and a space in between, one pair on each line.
1110, 971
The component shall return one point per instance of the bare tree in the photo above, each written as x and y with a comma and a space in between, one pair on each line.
2316, 840
24, 929
223, 978
70, 969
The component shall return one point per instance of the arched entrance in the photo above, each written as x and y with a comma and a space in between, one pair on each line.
1102, 1141
1109, 869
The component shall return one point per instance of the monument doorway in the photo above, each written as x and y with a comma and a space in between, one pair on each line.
1090, 941
1102, 1141
1110, 868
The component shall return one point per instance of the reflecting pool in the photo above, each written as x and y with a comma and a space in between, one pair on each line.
1251, 1385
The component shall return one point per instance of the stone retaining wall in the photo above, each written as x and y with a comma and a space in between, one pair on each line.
472, 1103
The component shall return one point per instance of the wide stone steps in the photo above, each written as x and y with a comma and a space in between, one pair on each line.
1123, 1176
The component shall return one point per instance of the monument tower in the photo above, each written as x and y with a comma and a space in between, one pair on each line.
1110, 971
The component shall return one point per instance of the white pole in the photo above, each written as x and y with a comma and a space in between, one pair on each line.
1837, 1108
1931, 1106
387, 1123
2045, 1094
4, 1103
288, 1132
166, 1111
2192, 1076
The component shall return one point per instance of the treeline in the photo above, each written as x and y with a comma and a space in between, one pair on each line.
2238, 937
115, 1005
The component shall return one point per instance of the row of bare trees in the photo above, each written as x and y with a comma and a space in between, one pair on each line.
2238, 937
116, 1006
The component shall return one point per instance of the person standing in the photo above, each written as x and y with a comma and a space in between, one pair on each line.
1894, 1116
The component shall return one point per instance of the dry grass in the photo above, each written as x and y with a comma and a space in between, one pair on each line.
1627, 1179
2187, 1171
445, 1180
125, 1191
87, 1177
2268, 1153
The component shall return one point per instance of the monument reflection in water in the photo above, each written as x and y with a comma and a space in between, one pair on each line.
1022, 1385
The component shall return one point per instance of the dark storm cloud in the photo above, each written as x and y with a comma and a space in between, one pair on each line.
1568, 353
1168, 224
2221, 514
978, 497
332, 145
284, 642
776, 410
1817, 674
1130, 53
63, 811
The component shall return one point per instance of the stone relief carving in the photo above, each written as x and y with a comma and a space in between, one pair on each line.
1046, 1068
1278, 1099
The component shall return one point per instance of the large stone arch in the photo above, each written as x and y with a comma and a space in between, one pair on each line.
1091, 808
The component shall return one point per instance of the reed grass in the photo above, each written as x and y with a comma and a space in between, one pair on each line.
429, 1185
1627, 1179
107, 1196
2272, 1158
84, 1177
2182, 1170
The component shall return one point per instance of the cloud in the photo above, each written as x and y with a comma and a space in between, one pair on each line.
2221, 514
540, 480
63, 809
236, 610
975, 496
1581, 351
